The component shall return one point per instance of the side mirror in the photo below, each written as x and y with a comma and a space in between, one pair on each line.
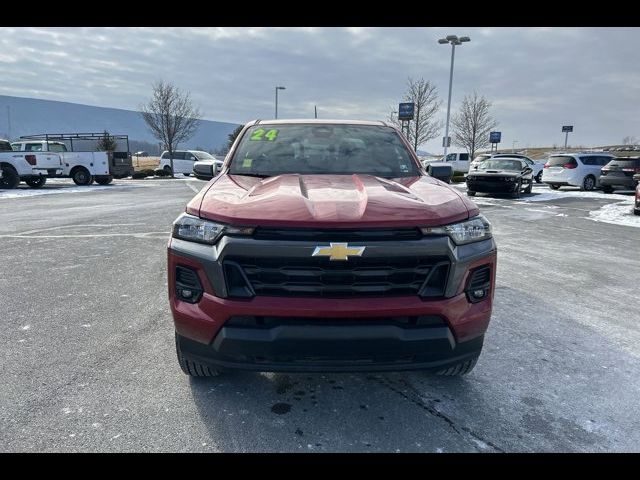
527, 170
441, 172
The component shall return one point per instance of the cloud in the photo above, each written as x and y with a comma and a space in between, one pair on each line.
537, 78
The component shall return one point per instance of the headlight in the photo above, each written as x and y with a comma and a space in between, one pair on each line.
510, 179
195, 229
472, 230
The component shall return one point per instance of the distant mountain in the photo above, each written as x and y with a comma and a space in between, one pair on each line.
30, 116
422, 153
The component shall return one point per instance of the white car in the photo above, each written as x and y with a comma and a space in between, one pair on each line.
183, 161
575, 169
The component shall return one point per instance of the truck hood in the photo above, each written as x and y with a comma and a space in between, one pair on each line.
331, 201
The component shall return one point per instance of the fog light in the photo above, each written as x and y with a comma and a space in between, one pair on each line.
478, 293
186, 293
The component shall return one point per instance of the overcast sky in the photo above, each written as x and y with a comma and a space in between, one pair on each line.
538, 79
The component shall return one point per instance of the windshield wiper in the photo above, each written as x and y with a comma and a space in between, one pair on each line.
258, 175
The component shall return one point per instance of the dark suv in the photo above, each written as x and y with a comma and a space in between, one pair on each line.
618, 174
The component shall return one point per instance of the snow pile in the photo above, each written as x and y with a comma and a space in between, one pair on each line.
619, 213
33, 192
555, 194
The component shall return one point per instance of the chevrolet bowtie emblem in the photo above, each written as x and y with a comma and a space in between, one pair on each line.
338, 251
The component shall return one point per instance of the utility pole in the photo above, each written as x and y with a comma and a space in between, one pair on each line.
9, 122
316, 110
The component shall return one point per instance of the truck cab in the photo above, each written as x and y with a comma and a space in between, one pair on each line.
31, 167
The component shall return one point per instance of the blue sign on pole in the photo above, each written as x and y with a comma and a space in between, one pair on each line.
494, 137
405, 111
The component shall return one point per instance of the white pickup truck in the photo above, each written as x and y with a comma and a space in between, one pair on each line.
32, 168
458, 161
86, 165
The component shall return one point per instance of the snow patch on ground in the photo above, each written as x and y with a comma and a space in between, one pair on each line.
20, 192
620, 213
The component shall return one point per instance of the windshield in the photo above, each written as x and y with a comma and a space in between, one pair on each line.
481, 158
203, 155
501, 164
322, 149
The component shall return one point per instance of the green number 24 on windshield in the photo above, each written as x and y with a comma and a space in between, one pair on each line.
262, 134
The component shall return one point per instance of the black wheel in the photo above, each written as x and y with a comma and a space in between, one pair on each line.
554, 187
167, 170
10, 178
471, 193
459, 369
529, 187
588, 184
193, 368
607, 189
36, 182
82, 177
539, 177
104, 180
516, 193
186, 174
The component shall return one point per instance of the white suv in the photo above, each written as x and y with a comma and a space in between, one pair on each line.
575, 169
183, 161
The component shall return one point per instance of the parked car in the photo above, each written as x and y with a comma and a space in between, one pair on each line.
33, 168
141, 154
619, 174
324, 246
536, 166
575, 169
207, 168
501, 175
183, 161
636, 208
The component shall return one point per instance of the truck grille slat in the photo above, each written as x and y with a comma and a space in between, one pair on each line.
319, 277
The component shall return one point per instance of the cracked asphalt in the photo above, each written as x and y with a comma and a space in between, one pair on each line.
87, 358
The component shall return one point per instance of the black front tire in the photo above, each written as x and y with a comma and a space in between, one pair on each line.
554, 187
193, 368
529, 188
10, 178
517, 192
36, 182
471, 193
82, 177
104, 180
539, 177
459, 369
607, 189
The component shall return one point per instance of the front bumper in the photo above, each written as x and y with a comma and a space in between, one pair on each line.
329, 334
491, 187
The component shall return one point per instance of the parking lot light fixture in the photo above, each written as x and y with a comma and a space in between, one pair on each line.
453, 40
278, 88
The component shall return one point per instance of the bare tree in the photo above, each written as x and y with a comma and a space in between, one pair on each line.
423, 127
107, 143
473, 123
171, 116
629, 140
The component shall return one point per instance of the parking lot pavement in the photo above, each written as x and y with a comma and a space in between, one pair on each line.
88, 360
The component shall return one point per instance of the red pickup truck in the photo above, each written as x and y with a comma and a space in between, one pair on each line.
324, 246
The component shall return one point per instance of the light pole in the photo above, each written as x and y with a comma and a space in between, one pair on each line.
453, 40
278, 88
